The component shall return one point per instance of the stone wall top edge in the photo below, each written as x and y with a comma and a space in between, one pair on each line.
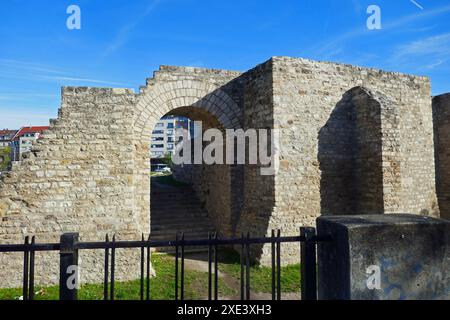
96, 90
442, 96
350, 66
264, 66
199, 70
363, 221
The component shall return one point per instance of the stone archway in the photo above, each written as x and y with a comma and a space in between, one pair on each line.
160, 99
201, 102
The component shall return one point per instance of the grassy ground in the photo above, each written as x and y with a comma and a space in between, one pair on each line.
196, 283
167, 179
161, 288
260, 276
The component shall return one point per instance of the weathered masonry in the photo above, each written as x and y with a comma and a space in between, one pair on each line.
441, 115
353, 141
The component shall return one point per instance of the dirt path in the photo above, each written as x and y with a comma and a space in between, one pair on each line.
199, 262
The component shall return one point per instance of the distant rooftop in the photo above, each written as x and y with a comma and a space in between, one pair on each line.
25, 130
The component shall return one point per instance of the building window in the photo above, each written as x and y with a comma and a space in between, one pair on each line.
157, 153
170, 146
170, 125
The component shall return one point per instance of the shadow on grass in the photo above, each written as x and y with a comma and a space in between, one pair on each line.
168, 180
162, 287
260, 276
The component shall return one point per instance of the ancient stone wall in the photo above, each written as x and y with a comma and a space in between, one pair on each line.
307, 96
441, 115
78, 178
352, 140
259, 194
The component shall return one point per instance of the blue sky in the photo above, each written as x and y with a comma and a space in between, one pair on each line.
121, 42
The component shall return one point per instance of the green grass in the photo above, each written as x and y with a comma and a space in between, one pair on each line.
5, 160
260, 276
161, 288
168, 179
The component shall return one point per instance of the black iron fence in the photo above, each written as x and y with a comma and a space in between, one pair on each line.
69, 247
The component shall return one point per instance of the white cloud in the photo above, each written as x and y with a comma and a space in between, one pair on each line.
15, 120
417, 4
124, 32
15, 69
26, 96
435, 64
424, 54
438, 45
88, 80
334, 46
28, 66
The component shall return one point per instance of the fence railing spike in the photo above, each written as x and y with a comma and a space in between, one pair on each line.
307, 238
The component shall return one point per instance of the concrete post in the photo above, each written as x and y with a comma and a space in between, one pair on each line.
68, 274
384, 257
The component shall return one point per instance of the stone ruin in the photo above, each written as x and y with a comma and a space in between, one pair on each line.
353, 141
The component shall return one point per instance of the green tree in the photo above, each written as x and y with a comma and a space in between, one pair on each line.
5, 158
167, 160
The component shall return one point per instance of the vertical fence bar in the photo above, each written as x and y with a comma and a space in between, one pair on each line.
106, 280
247, 261
142, 268
242, 266
176, 267
182, 267
216, 271
209, 267
113, 267
279, 265
308, 264
149, 262
26, 262
31, 277
273, 265
68, 267
32, 255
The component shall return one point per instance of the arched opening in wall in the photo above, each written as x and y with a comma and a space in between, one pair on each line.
190, 197
351, 156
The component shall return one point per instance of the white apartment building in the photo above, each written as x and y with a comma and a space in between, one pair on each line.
23, 141
165, 136
6, 136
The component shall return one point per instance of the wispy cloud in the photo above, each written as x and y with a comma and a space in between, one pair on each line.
24, 108
16, 69
432, 51
435, 64
28, 66
14, 120
124, 33
332, 47
414, 17
438, 45
88, 80
417, 4
21, 96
